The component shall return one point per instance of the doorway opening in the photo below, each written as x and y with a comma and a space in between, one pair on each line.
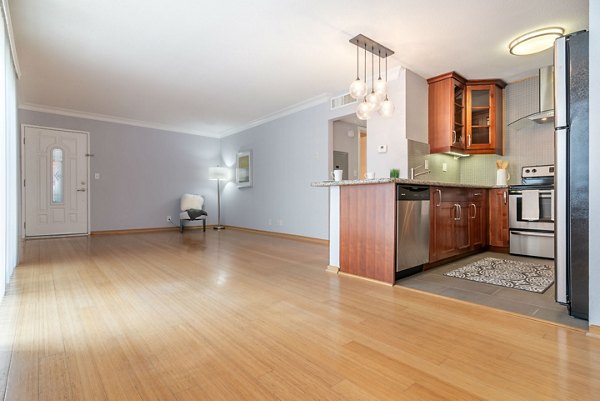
349, 147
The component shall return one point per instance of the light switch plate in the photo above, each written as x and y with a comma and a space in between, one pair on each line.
382, 148
96, 176
444, 167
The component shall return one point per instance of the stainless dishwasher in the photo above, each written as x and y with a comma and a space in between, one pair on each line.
412, 225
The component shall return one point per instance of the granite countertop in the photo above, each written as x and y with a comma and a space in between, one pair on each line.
401, 181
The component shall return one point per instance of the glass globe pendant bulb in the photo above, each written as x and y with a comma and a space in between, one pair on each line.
363, 111
374, 100
387, 108
358, 89
380, 88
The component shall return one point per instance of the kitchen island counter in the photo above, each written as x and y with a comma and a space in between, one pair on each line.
331, 183
363, 232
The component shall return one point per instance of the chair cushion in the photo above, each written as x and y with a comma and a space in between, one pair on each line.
185, 216
191, 201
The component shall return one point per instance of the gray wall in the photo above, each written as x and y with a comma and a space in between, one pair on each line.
143, 171
288, 154
594, 161
343, 143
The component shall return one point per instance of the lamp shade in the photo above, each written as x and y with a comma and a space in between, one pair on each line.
218, 173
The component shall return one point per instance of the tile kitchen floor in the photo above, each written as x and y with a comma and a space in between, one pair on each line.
541, 306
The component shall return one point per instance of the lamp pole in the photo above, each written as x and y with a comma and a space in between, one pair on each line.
218, 226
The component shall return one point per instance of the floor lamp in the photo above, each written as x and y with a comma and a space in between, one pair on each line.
218, 174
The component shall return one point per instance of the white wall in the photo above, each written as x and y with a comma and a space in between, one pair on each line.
344, 143
594, 15
390, 132
417, 108
143, 171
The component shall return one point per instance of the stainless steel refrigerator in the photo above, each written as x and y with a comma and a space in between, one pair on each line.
571, 93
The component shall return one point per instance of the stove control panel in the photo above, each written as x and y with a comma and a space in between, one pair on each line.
537, 171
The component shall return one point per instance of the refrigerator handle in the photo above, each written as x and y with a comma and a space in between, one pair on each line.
560, 82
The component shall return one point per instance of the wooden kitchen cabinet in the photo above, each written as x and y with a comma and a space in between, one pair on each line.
498, 227
465, 116
442, 226
478, 218
447, 113
458, 222
368, 231
484, 123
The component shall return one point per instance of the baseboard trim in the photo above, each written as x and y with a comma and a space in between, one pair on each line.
332, 269
594, 331
130, 231
280, 235
498, 249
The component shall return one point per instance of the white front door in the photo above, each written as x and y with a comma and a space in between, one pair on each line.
56, 174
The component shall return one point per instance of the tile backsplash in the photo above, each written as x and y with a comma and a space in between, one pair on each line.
525, 143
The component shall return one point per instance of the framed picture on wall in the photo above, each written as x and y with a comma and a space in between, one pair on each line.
243, 171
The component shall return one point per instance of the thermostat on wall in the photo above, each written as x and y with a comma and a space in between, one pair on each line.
382, 148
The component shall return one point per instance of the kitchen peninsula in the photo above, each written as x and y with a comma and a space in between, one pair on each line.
455, 220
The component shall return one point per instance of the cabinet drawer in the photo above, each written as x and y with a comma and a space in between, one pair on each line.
449, 194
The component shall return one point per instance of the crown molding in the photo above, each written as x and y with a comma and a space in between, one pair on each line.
111, 119
314, 101
11, 37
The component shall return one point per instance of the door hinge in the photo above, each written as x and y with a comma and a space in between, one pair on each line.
89, 155
24, 224
23, 182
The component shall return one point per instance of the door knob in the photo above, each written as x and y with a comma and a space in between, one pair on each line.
81, 190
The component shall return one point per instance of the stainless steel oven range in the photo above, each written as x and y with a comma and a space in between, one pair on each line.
531, 212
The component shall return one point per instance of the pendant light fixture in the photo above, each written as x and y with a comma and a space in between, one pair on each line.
376, 99
387, 107
380, 86
358, 88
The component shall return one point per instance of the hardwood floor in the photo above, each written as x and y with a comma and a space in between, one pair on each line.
239, 316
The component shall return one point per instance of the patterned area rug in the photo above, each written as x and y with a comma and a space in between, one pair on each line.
507, 273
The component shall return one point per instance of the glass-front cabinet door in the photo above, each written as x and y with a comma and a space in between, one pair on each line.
479, 118
458, 129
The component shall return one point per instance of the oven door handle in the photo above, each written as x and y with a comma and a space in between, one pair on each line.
532, 234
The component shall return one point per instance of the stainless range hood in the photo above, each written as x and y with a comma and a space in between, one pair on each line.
545, 113
546, 97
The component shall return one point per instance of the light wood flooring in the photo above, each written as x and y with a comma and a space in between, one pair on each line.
241, 316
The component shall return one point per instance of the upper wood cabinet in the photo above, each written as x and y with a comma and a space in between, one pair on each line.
447, 102
465, 116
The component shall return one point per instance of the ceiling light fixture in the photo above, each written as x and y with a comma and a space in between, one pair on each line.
535, 41
377, 99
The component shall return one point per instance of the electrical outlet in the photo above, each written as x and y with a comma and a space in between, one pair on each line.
426, 164
444, 167
169, 219
270, 222
382, 148
280, 222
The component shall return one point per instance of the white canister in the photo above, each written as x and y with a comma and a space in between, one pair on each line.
502, 177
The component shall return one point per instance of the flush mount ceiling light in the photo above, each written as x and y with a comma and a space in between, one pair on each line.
535, 42
376, 99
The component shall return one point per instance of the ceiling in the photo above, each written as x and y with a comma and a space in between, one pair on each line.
208, 67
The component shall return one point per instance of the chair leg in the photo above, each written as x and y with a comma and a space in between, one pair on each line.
181, 226
204, 225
